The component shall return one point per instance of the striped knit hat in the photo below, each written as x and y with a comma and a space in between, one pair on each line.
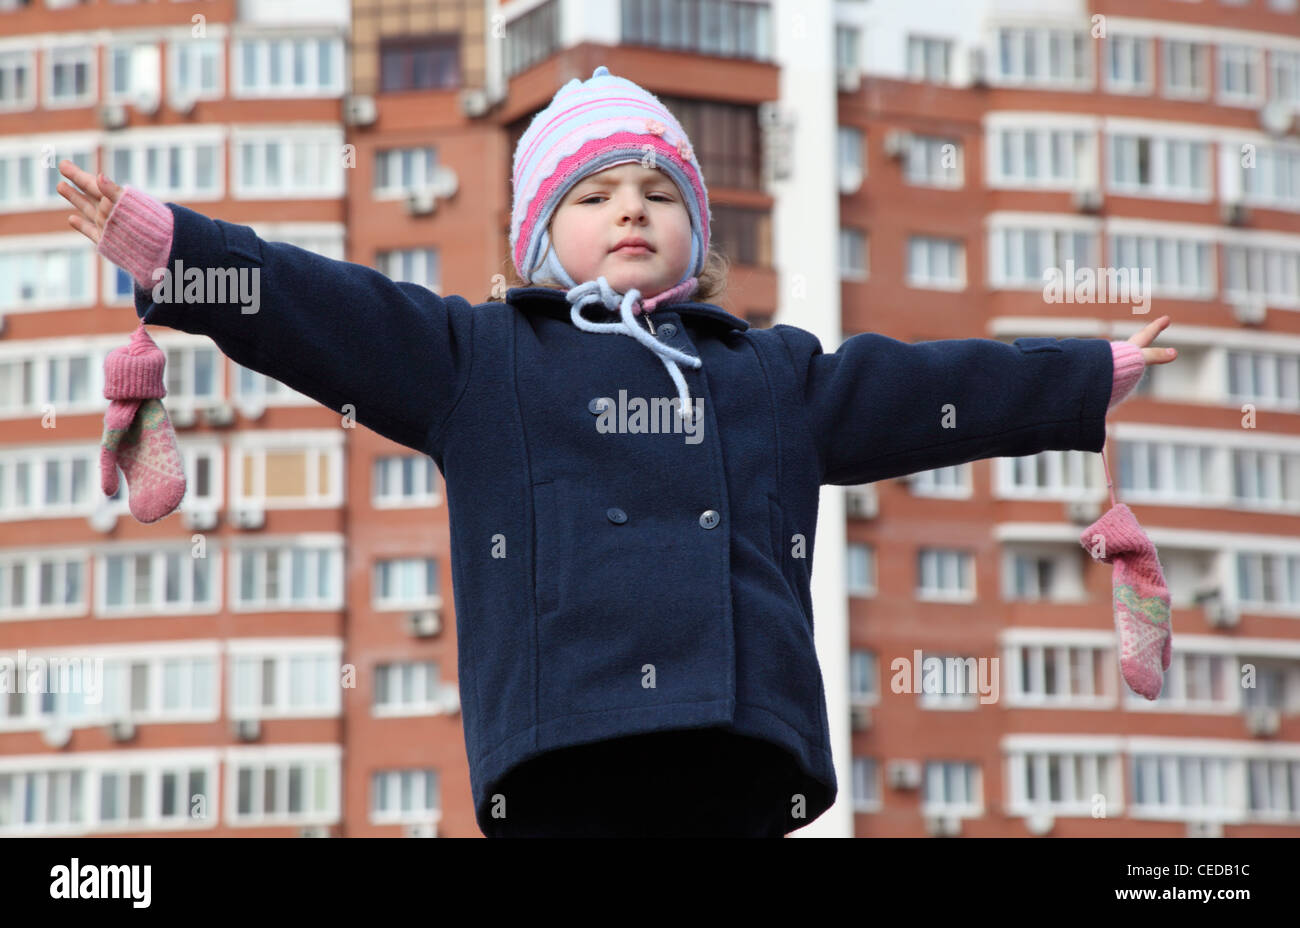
587, 127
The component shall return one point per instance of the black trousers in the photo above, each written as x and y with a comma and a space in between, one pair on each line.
690, 783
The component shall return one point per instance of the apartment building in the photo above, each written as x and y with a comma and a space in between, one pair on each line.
279, 657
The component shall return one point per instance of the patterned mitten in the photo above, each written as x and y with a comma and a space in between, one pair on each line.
138, 436
1141, 600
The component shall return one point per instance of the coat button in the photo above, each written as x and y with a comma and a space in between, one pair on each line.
617, 516
598, 405
709, 518
667, 330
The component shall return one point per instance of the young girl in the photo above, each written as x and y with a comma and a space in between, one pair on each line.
632, 517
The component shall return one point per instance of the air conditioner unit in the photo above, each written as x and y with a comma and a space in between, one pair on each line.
977, 65
1276, 118
1040, 823
246, 729
314, 831
103, 519
219, 414
1082, 511
896, 143
474, 102
1263, 721
849, 80
183, 104
1234, 213
1217, 612
1250, 312
425, 623
904, 774
112, 115
421, 202
421, 830
449, 700
199, 520
121, 730
942, 826
57, 736
860, 718
252, 408
359, 110
146, 103
248, 517
862, 503
1205, 829
1087, 200
183, 417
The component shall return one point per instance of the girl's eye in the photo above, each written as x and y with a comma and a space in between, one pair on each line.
592, 197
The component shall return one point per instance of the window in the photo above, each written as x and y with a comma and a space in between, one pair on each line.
419, 63
405, 480
951, 481
1265, 479
1284, 77
284, 475
1273, 180
195, 69
131, 73
711, 27
952, 682
863, 683
299, 66
933, 161
929, 59
283, 791
1042, 158
951, 787
188, 168
415, 265
401, 170
403, 795
866, 784
32, 585
1031, 577
1047, 57
191, 373
1256, 272
407, 688
1186, 69
300, 683
56, 275
156, 582
1241, 77
70, 76
852, 168
406, 583
944, 574
1252, 376
861, 569
1064, 783
289, 578
1059, 675
853, 254
936, 262
1021, 257
29, 176
726, 140
17, 88
535, 36
1160, 167
743, 234
1273, 788
290, 163
1163, 470
1128, 64
1178, 267
1267, 579
1167, 785
847, 57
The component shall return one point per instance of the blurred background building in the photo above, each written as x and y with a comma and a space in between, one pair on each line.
908, 168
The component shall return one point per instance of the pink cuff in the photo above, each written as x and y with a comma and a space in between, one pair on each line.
138, 235
1129, 366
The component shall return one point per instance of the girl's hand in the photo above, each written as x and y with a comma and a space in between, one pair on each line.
1147, 336
93, 208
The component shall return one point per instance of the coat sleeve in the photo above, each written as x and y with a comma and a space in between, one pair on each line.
880, 408
338, 332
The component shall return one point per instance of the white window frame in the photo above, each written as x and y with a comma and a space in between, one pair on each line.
1126, 50
923, 162
144, 71
295, 143
951, 563
43, 249
156, 603
196, 50
1197, 56
1225, 55
424, 265
137, 147
284, 48
392, 469
929, 58
11, 60
323, 657
936, 777
859, 556
314, 760
318, 549
853, 241
424, 164
954, 248
56, 54
1159, 184
1043, 38
419, 566
427, 782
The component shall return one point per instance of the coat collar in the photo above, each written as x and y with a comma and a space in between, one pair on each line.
517, 295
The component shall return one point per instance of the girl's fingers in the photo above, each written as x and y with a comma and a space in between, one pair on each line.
111, 190
1148, 334
83, 179
77, 199
85, 227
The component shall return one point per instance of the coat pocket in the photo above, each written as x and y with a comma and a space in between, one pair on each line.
546, 559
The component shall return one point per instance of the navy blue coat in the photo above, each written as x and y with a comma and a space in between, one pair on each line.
648, 582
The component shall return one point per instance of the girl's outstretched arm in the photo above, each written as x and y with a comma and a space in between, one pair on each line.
395, 355
880, 408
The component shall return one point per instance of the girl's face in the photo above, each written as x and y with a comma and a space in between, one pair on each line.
618, 203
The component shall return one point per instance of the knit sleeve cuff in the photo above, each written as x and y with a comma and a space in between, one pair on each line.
1129, 366
138, 235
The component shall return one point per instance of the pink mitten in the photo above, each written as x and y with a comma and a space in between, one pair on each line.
1141, 601
138, 436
